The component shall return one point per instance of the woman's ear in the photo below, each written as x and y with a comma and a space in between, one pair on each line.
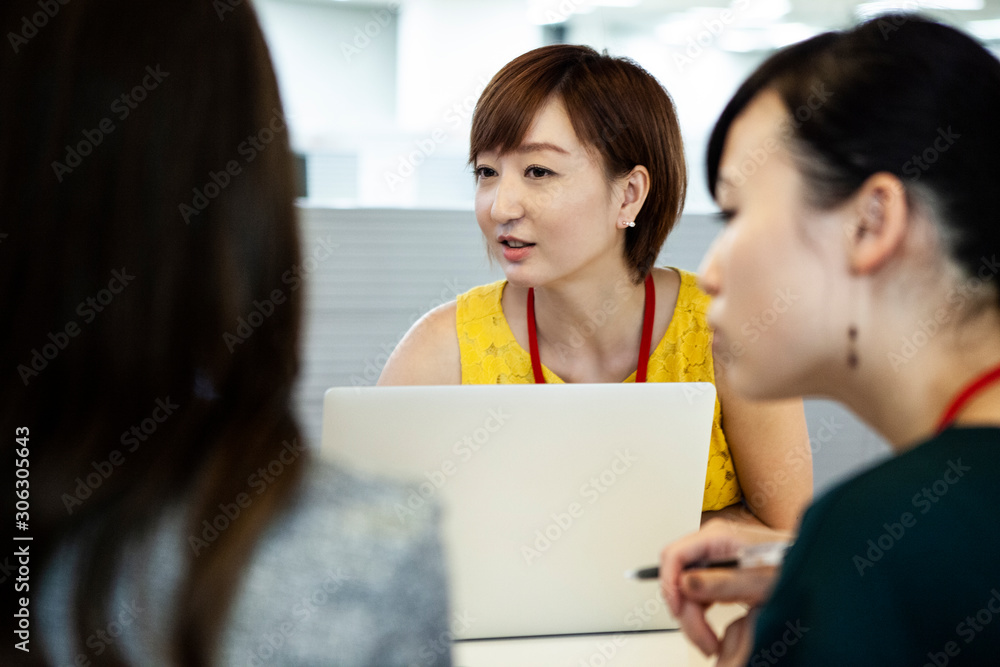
634, 195
878, 224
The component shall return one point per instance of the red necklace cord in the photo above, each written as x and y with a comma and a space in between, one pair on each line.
965, 395
644, 343
536, 361
647, 330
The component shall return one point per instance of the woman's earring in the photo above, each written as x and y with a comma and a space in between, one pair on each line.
852, 346
630, 223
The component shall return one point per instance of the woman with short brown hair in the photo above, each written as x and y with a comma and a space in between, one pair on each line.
580, 176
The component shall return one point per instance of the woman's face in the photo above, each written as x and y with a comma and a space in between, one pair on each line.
775, 271
545, 208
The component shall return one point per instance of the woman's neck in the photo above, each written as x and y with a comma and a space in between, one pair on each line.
589, 328
906, 380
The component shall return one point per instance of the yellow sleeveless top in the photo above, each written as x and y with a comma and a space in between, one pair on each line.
491, 355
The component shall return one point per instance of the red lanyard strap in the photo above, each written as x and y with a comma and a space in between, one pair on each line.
536, 361
647, 330
964, 396
644, 343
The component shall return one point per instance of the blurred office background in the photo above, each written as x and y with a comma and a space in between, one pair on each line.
379, 98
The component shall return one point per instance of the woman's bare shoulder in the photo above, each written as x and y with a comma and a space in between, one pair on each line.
428, 353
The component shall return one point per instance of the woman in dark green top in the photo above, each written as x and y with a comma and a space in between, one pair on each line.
860, 171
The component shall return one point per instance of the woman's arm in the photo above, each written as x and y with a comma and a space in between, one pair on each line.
769, 443
428, 353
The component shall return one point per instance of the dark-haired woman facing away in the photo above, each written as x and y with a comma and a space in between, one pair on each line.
879, 202
176, 516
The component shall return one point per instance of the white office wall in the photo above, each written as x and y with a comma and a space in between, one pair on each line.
449, 50
335, 93
700, 79
381, 96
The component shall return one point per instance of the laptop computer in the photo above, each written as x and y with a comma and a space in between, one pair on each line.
549, 492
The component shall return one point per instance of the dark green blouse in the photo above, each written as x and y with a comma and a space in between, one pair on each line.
898, 566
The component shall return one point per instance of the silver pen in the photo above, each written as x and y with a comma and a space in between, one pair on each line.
755, 555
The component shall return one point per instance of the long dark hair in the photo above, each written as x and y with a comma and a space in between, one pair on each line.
150, 344
900, 94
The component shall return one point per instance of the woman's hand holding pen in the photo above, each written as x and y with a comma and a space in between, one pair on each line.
690, 592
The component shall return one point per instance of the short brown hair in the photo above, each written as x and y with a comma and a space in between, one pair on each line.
616, 107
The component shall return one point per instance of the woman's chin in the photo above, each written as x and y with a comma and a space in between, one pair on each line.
518, 277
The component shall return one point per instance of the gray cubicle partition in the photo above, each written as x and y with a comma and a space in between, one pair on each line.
370, 273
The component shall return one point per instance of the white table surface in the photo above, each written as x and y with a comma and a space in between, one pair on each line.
631, 649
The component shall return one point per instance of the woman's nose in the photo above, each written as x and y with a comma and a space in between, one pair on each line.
708, 272
508, 200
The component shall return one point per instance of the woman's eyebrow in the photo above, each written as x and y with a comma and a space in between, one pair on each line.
539, 147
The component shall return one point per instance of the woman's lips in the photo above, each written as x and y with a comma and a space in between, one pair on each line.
516, 254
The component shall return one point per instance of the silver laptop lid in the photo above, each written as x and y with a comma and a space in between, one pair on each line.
550, 492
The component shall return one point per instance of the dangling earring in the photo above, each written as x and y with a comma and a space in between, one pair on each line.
858, 299
852, 346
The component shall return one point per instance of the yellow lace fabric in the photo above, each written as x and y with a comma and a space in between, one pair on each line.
491, 355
